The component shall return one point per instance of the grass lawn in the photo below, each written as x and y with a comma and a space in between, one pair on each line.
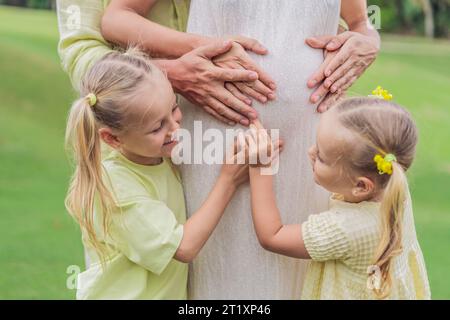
38, 240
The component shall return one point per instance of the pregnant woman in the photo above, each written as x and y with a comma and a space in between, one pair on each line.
232, 265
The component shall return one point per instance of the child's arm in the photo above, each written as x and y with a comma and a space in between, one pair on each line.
123, 23
200, 226
272, 234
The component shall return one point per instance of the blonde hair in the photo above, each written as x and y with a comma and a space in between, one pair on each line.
114, 80
384, 127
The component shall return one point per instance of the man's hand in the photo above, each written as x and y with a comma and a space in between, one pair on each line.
237, 58
196, 77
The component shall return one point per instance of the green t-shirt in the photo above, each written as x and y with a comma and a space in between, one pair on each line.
144, 233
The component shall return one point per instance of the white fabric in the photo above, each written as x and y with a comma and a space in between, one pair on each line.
232, 265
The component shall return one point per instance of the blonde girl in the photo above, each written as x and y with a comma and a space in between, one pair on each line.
130, 205
365, 245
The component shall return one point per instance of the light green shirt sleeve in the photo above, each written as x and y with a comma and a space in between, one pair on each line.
81, 43
147, 233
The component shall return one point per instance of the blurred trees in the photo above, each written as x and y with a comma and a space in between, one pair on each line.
426, 17
39, 4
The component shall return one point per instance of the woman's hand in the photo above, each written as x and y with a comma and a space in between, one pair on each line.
203, 83
237, 58
347, 56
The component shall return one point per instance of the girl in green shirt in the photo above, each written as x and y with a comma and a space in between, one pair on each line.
130, 205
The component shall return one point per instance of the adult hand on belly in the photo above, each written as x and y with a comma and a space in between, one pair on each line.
237, 58
347, 56
195, 76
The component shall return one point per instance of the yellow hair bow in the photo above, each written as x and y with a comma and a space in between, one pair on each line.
379, 92
384, 164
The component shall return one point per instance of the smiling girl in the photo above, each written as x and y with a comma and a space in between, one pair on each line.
130, 205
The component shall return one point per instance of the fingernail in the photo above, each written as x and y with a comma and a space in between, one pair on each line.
327, 83
231, 123
252, 116
253, 75
316, 98
248, 101
333, 89
331, 45
327, 73
271, 96
263, 99
244, 122
312, 83
273, 86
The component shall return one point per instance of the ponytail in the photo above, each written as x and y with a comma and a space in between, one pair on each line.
87, 185
108, 87
392, 208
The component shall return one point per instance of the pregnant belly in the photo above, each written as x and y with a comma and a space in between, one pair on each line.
291, 71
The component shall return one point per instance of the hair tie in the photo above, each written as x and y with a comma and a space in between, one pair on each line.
384, 164
381, 93
92, 99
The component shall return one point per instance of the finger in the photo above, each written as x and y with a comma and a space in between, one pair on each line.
250, 44
330, 100
227, 112
339, 40
278, 145
338, 60
319, 75
250, 92
263, 76
217, 48
237, 93
251, 150
233, 75
348, 84
239, 143
319, 93
346, 80
338, 74
212, 112
237, 105
257, 123
319, 42
260, 87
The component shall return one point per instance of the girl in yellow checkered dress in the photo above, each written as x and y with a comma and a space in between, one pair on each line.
365, 246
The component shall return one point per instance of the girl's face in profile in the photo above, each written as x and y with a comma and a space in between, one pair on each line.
327, 154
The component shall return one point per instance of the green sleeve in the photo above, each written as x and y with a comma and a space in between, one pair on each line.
81, 43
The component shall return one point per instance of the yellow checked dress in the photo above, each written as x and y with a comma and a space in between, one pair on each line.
342, 242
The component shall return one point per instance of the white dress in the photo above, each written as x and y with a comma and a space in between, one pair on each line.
232, 265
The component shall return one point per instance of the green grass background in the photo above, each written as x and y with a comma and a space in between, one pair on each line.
38, 240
